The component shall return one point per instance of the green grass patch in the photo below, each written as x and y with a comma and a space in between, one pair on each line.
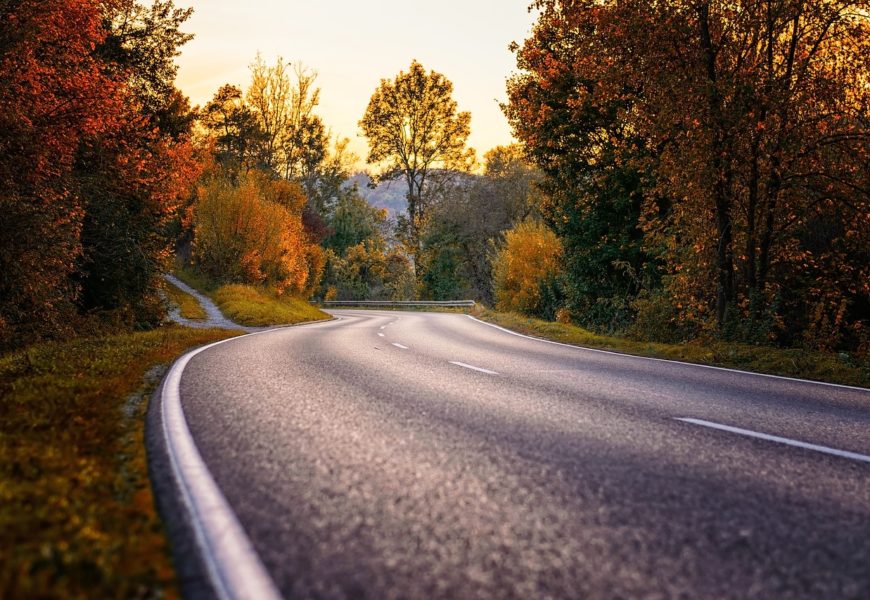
188, 306
258, 307
819, 366
76, 509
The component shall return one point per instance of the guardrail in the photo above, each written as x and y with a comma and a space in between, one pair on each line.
399, 303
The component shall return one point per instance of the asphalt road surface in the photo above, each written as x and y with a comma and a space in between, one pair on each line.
419, 455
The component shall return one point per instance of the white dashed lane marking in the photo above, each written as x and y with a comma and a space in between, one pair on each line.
472, 367
777, 439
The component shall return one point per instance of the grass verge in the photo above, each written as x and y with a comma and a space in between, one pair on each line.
188, 306
819, 366
76, 509
249, 305
257, 307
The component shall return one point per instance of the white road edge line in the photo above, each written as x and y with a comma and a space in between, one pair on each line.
472, 367
679, 362
774, 438
234, 568
400, 346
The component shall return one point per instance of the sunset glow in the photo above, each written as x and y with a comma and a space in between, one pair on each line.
353, 45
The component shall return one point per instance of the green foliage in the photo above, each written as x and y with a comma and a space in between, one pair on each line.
76, 509
239, 141
195, 279
352, 221
130, 204
658, 319
257, 307
442, 265
595, 186
468, 219
368, 271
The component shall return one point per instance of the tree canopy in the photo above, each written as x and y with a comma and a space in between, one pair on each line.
414, 128
746, 127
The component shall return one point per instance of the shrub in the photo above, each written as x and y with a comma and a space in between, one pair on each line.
368, 272
251, 232
525, 268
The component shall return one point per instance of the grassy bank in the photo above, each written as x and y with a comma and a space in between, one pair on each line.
257, 307
819, 366
76, 509
188, 306
253, 306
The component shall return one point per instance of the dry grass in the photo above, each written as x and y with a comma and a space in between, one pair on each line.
188, 306
76, 509
829, 367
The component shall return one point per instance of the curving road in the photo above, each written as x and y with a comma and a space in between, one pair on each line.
419, 455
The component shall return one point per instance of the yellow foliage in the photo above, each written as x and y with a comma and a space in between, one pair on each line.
530, 255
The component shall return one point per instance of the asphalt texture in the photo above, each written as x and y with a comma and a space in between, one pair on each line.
363, 469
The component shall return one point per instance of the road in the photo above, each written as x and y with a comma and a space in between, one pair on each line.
421, 455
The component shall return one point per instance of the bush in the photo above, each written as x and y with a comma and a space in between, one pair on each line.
368, 272
525, 268
659, 320
251, 232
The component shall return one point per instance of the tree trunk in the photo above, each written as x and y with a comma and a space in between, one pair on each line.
725, 295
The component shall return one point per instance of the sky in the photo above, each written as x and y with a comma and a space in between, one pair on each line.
354, 44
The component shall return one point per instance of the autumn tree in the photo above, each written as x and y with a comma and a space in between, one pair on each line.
239, 141
283, 98
272, 126
90, 170
141, 46
751, 119
468, 220
134, 180
415, 133
370, 270
596, 184
250, 231
53, 94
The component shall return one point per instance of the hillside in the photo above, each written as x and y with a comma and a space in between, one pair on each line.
390, 196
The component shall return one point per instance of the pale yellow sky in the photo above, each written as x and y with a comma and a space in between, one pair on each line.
353, 45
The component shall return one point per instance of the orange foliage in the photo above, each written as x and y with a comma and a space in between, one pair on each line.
53, 94
251, 232
88, 180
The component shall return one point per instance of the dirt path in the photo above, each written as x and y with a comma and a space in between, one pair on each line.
215, 317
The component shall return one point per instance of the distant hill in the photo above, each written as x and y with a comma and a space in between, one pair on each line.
386, 195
